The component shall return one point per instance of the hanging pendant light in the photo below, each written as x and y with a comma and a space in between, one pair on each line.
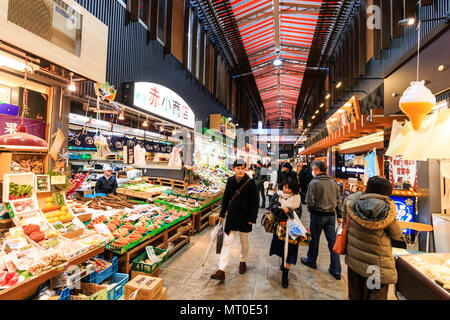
21, 140
417, 100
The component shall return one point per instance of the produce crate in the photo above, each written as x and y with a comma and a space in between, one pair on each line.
120, 280
65, 294
92, 291
97, 277
140, 266
64, 280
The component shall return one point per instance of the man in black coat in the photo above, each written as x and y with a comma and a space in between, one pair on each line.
242, 213
286, 172
304, 178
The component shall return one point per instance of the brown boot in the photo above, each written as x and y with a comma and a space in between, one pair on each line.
219, 275
242, 268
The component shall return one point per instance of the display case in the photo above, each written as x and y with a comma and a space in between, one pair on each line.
423, 276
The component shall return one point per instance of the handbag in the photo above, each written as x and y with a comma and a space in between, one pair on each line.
268, 222
340, 245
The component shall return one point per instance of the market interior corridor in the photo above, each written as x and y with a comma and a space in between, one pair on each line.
185, 279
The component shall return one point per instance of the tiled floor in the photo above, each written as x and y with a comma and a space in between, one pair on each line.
186, 279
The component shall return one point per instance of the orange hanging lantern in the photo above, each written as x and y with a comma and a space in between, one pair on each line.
417, 101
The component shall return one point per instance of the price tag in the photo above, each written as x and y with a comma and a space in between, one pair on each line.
135, 217
151, 255
57, 180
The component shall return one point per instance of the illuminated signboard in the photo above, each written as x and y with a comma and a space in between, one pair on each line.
163, 102
347, 114
405, 210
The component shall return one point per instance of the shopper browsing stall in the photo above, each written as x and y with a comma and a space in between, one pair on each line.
106, 184
240, 206
284, 204
372, 226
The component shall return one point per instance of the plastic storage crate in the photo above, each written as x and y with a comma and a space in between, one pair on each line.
119, 280
65, 294
140, 266
97, 277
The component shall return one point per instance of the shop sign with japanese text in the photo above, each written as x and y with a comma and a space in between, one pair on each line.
347, 114
161, 101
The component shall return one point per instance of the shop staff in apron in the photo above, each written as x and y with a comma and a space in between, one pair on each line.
241, 200
106, 184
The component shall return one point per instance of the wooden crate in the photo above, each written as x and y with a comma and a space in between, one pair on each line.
149, 287
134, 273
213, 219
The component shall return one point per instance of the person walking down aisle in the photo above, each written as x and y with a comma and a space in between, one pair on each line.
285, 203
373, 223
304, 178
324, 203
240, 199
272, 184
286, 172
259, 181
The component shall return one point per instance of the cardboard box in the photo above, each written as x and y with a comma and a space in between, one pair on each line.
148, 287
162, 295
134, 273
5, 163
213, 219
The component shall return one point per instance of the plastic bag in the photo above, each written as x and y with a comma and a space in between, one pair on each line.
212, 238
296, 228
219, 243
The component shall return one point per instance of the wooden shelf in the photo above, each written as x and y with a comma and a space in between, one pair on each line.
28, 287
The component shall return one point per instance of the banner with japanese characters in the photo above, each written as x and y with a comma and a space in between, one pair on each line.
163, 102
401, 171
9, 124
77, 139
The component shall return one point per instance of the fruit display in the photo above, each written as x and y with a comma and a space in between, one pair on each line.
61, 215
9, 279
19, 191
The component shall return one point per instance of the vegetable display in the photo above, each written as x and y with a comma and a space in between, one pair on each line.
19, 191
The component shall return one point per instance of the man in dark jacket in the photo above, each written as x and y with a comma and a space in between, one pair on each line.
286, 172
106, 184
242, 213
259, 181
324, 203
304, 178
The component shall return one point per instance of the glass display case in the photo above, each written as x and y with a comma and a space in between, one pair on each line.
423, 276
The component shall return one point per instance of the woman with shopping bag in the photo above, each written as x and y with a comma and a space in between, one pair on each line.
285, 205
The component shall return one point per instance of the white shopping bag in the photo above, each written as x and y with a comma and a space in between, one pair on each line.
294, 229
212, 241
